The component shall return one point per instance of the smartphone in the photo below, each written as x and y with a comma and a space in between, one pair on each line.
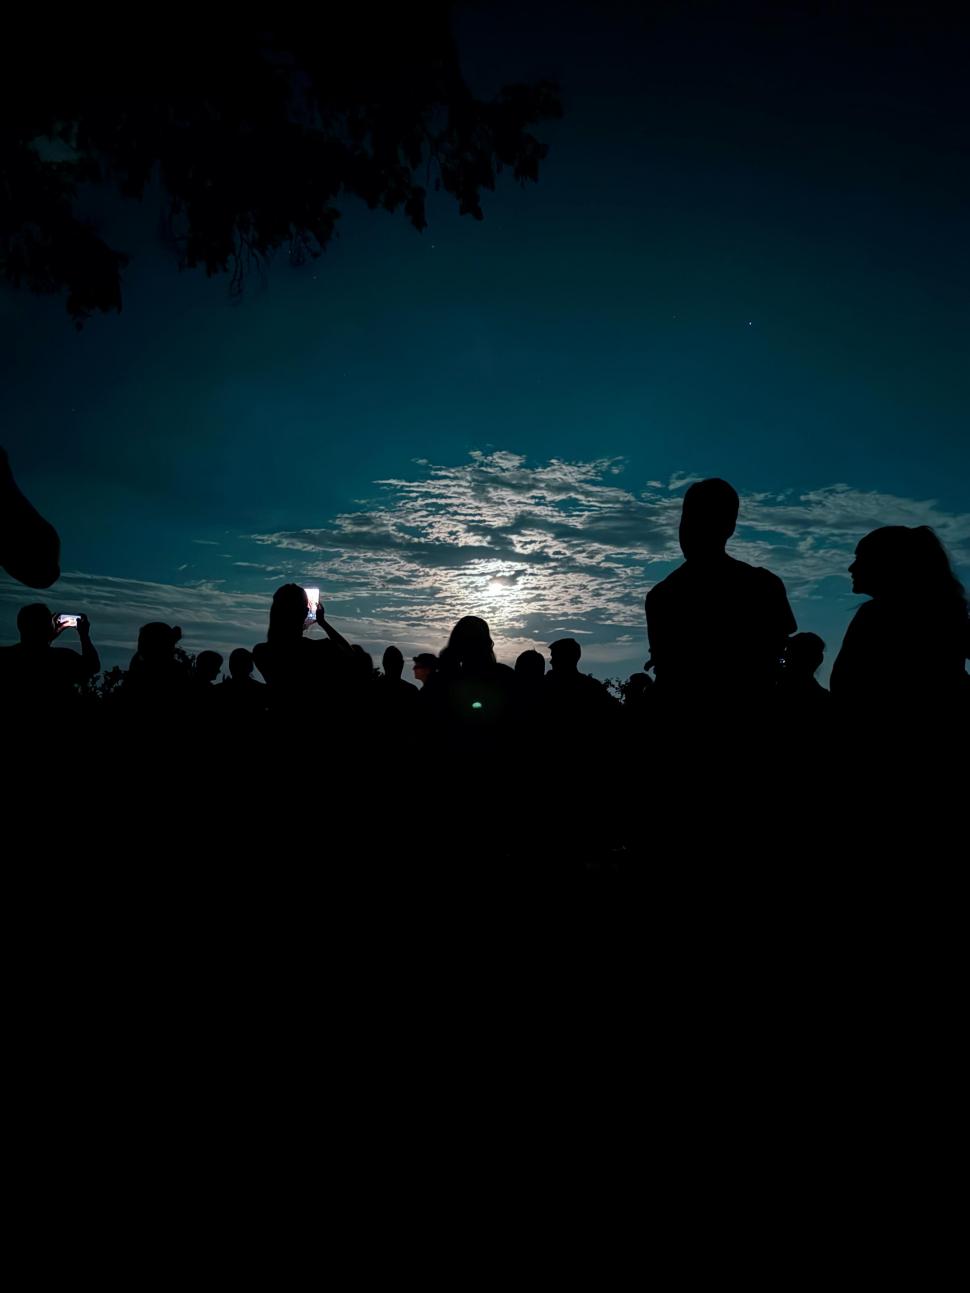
313, 601
67, 621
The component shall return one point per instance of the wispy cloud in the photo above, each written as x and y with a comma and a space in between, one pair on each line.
209, 617
541, 550
527, 545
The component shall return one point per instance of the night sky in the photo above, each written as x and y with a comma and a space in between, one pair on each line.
747, 255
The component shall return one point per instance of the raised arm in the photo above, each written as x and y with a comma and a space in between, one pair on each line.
336, 638
90, 660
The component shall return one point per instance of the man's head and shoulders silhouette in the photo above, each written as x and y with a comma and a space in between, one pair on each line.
564, 657
393, 683
708, 520
241, 693
208, 665
241, 680
39, 629
565, 682
34, 670
716, 623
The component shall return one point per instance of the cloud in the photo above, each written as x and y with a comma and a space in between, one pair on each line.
496, 534
207, 615
530, 547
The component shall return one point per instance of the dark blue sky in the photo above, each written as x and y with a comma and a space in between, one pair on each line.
747, 255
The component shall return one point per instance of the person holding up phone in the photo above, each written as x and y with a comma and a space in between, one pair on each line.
36, 679
301, 671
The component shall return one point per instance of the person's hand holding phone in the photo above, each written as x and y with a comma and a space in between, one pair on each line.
79, 622
312, 607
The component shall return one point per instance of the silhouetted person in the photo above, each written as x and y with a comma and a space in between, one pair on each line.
158, 682
530, 666
904, 652
530, 692
467, 711
476, 694
637, 694
240, 695
30, 550
803, 708
207, 667
241, 665
580, 724
425, 665
393, 683
899, 687
717, 626
574, 699
430, 701
37, 679
797, 684
298, 670
205, 694
395, 700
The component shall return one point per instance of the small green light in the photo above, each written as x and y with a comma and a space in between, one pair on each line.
476, 704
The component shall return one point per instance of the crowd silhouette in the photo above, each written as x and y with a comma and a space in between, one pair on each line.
500, 761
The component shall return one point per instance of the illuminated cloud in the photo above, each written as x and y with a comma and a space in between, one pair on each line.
532, 547
555, 549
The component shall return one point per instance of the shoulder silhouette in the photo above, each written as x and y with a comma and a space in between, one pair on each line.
300, 670
717, 626
475, 693
38, 678
905, 649
395, 692
804, 704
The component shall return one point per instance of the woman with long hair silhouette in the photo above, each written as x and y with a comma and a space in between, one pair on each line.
475, 695
300, 671
904, 651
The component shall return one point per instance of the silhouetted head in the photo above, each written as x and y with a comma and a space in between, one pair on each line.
530, 665
803, 655
637, 686
564, 655
708, 518
425, 664
905, 562
470, 644
287, 615
207, 666
157, 642
392, 662
241, 664
35, 624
